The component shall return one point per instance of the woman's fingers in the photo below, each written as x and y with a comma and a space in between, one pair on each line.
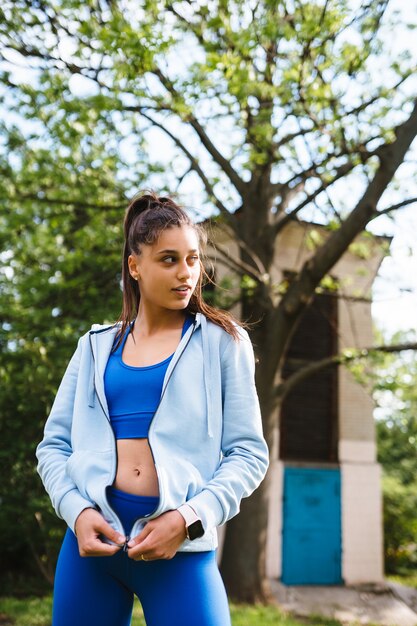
96, 547
160, 538
90, 526
108, 531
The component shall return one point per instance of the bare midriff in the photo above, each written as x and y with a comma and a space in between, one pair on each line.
136, 471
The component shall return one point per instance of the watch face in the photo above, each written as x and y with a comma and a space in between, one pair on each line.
195, 530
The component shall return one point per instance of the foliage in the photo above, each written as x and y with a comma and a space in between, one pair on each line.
408, 578
400, 524
63, 275
289, 85
395, 390
393, 380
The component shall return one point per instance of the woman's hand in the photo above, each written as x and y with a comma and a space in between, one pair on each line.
90, 524
160, 539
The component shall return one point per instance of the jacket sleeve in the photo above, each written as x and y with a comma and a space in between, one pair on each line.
245, 454
55, 448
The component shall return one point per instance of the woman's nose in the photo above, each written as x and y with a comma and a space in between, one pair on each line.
184, 271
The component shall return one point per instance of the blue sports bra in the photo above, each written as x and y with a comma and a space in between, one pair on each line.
133, 393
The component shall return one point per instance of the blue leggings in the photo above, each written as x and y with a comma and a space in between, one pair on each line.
99, 591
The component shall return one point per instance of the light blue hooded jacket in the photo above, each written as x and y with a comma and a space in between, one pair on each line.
205, 437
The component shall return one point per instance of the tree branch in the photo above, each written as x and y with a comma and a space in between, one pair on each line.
290, 136
193, 161
348, 355
224, 163
391, 155
394, 207
367, 103
287, 217
68, 202
244, 246
237, 265
303, 175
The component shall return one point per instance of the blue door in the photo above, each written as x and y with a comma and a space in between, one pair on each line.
311, 553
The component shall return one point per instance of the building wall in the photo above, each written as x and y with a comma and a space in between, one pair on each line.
362, 526
362, 538
356, 423
275, 518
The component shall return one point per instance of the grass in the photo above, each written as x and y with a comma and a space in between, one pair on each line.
409, 579
25, 612
37, 612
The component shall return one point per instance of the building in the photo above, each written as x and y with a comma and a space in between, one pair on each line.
325, 520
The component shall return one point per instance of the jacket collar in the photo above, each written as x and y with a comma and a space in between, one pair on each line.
101, 337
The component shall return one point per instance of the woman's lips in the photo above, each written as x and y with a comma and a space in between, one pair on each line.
183, 292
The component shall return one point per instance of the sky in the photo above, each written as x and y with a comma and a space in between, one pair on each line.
394, 304
395, 289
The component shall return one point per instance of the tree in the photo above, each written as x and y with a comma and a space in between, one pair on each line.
395, 390
55, 281
397, 444
270, 107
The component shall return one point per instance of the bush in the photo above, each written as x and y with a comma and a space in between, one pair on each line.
400, 524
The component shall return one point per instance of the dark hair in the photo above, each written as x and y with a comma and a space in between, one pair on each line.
146, 217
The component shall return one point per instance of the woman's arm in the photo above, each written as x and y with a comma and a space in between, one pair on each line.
245, 454
55, 448
53, 453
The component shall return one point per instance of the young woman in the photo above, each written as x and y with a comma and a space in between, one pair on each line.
153, 439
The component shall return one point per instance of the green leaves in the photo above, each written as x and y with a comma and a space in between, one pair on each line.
60, 246
396, 392
257, 64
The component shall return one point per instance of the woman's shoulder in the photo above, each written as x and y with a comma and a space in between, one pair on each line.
98, 328
222, 335
102, 327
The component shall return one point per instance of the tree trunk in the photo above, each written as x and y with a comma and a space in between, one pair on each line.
243, 565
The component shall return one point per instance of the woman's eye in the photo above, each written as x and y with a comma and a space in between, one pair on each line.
172, 259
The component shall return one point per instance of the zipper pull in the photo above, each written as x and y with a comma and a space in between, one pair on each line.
125, 547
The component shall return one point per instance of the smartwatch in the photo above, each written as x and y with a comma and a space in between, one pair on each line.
193, 525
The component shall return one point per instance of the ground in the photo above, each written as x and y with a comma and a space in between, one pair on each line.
386, 604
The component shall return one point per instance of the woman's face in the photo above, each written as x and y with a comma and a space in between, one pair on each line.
169, 269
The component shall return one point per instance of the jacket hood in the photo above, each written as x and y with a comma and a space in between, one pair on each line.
101, 337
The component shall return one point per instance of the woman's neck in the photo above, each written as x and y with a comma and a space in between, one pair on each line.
150, 322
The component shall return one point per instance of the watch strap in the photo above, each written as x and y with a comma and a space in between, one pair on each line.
188, 513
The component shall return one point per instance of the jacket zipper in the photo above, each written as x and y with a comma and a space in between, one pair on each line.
125, 548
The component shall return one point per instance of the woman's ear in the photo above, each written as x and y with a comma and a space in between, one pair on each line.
133, 267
